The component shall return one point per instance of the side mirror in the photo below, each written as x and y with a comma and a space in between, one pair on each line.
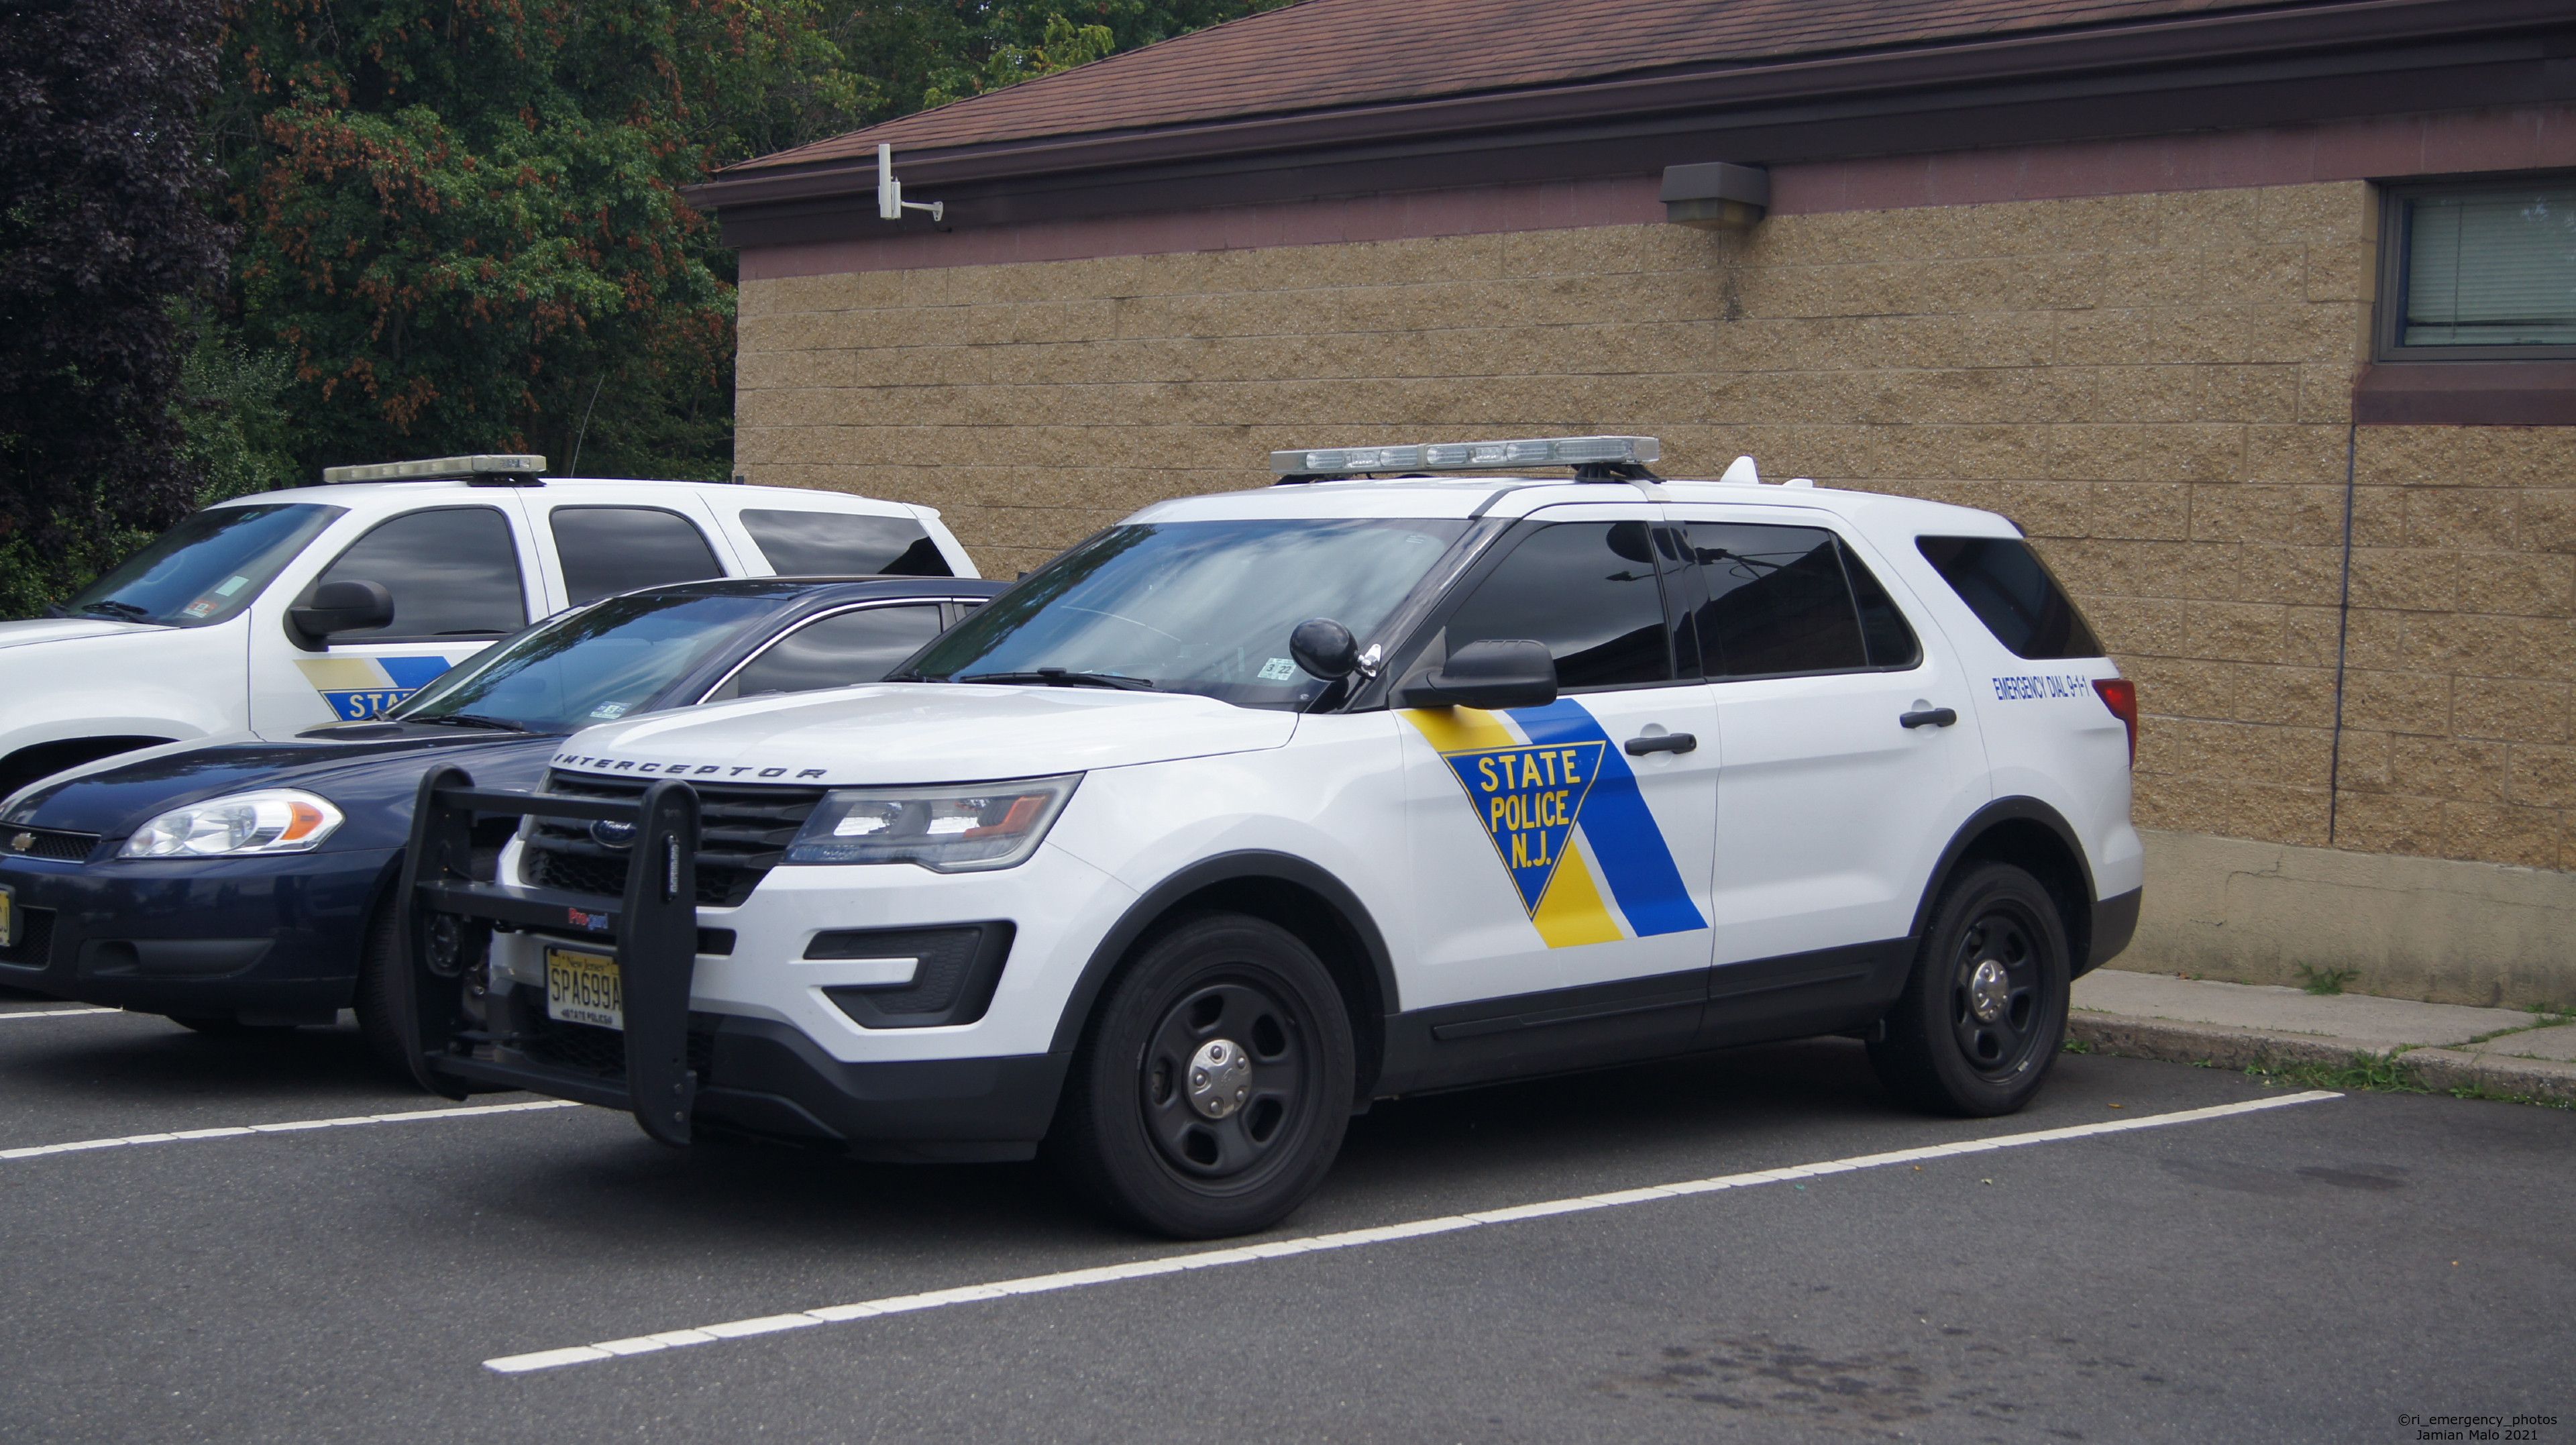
343, 607
1496, 673
1324, 648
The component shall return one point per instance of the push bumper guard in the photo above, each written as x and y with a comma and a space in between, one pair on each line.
447, 921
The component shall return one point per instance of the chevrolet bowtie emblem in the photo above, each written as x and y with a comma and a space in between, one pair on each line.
22, 842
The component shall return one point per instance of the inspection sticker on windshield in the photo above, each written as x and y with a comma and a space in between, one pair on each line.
1278, 669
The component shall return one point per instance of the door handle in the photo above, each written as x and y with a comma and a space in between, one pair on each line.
1939, 717
1661, 743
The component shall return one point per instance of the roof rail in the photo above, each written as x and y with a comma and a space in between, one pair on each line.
483, 470
1594, 458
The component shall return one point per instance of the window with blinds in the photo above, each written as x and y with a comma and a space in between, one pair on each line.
2481, 272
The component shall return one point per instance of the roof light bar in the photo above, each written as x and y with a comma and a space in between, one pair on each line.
1467, 456
505, 469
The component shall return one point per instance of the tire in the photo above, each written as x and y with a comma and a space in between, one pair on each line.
1222, 1013
380, 971
1984, 1013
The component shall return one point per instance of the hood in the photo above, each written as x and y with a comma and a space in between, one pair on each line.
363, 776
923, 733
63, 629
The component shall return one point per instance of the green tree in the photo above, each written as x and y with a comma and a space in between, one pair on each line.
231, 409
103, 223
462, 222
922, 53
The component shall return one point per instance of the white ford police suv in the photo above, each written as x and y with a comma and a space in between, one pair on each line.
1256, 807
283, 611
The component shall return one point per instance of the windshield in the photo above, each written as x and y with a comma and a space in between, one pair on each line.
1203, 607
590, 666
205, 569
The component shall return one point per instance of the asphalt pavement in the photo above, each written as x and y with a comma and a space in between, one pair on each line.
2269, 1267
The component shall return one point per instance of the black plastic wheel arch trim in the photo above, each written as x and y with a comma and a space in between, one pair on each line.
1248, 865
2001, 810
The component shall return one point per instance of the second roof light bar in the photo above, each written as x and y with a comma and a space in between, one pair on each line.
1609, 452
514, 469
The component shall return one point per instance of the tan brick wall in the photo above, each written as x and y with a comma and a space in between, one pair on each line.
2157, 387
2463, 648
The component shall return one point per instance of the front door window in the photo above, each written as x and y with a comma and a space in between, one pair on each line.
453, 572
842, 650
455, 579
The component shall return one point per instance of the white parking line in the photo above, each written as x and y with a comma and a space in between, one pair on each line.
236, 1131
55, 1013
1246, 1254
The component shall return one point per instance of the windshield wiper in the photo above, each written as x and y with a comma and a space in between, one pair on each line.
468, 720
114, 608
1058, 677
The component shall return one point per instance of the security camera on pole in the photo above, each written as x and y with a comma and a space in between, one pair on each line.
890, 202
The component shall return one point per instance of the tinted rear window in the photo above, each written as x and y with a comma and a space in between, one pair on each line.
607, 550
1781, 601
2003, 581
836, 544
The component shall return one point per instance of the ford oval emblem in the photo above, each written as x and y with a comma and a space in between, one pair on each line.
22, 842
609, 834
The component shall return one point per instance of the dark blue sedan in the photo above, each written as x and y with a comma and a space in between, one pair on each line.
246, 885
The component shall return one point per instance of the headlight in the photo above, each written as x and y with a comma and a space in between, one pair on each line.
948, 828
276, 821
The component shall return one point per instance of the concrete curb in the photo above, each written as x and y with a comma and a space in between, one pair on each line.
2458, 1069
2225, 1046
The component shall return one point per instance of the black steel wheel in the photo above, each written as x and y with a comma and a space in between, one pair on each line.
1984, 1013
1213, 1085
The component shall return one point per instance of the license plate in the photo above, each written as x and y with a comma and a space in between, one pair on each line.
8, 919
583, 988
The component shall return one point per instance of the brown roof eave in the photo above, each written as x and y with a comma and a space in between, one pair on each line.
2230, 36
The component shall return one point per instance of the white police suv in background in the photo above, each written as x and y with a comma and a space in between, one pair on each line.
267, 614
1258, 806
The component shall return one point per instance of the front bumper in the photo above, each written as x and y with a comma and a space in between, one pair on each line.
476, 1025
763, 1078
266, 939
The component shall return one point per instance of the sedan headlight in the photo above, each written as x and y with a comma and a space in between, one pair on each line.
947, 828
279, 820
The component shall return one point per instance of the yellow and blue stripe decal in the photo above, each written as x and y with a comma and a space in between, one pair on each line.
1562, 808
358, 688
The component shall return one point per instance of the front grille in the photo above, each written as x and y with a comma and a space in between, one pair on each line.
35, 945
742, 833
590, 1049
48, 843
